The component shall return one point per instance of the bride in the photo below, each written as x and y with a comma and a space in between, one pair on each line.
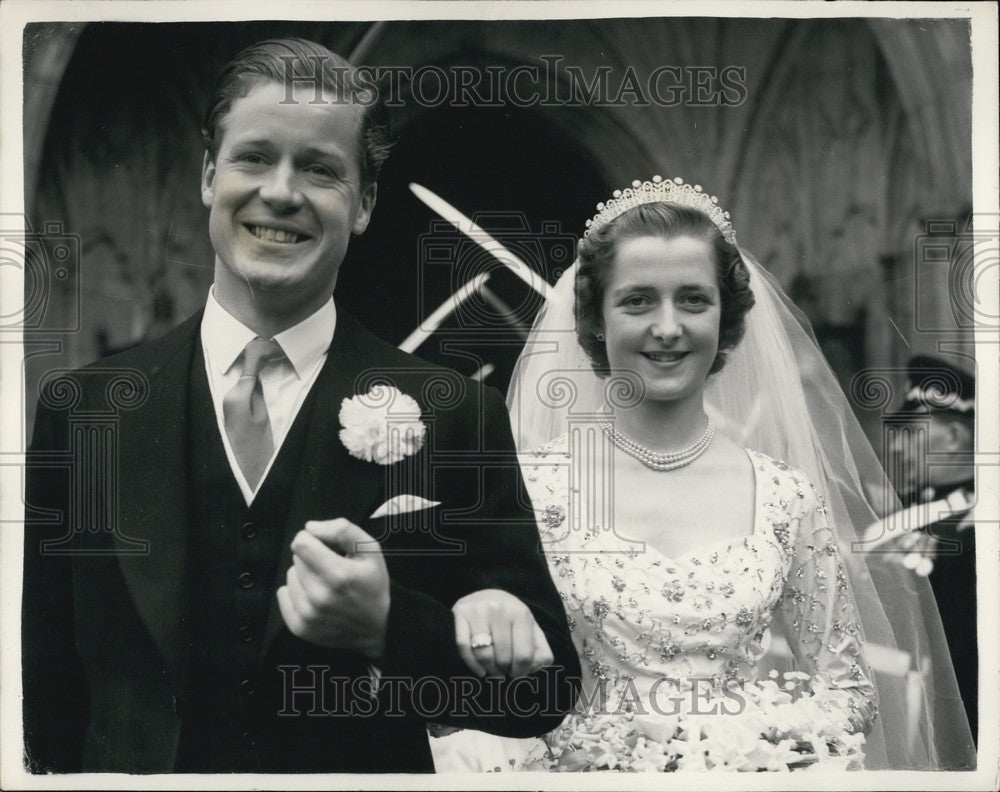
697, 476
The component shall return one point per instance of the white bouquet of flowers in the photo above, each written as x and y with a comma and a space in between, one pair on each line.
748, 727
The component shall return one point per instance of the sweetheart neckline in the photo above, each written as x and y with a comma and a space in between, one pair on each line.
723, 543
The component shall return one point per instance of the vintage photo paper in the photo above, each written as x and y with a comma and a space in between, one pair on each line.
659, 380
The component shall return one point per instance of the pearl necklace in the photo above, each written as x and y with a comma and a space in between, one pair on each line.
661, 461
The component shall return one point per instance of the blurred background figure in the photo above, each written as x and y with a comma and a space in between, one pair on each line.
931, 442
932, 449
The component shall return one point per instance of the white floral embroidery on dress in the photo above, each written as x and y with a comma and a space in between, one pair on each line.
706, 616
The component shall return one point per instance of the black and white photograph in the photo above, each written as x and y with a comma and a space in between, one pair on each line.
412, 393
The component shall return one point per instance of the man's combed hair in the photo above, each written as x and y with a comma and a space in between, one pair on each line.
298, 61
597, 253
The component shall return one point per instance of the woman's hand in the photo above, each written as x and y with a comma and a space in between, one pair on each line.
497, 635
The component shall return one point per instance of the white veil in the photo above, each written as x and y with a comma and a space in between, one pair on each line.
777, 394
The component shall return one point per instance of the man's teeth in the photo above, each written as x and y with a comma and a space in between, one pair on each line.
275, 235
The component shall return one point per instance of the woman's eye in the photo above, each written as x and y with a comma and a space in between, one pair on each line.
636, 301
695, 300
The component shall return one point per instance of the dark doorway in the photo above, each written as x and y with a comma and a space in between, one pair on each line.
517, 177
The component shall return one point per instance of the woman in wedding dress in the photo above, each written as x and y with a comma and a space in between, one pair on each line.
697, 476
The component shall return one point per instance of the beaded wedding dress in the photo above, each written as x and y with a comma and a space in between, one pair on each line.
638, 616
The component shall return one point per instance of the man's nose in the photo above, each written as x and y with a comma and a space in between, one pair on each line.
280, 189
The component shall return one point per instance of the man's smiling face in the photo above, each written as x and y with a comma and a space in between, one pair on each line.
285, 194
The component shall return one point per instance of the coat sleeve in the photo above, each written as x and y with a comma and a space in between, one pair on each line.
55, 696
501, 550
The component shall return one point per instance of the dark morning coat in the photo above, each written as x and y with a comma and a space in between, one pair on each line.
120, 573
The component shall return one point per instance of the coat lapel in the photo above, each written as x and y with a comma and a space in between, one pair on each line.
330, 482
152, 501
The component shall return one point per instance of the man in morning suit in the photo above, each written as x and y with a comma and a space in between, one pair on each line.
217, 594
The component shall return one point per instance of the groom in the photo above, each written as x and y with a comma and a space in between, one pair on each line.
217, 591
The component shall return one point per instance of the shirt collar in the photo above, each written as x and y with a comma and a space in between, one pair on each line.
226, 337
304, 343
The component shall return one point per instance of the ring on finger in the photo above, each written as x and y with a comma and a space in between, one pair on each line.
481, 641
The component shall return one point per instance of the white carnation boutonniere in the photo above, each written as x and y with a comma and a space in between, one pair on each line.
381, 426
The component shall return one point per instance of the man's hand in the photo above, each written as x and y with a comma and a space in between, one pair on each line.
337, 590
518, 644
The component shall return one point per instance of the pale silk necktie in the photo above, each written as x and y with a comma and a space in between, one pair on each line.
245, 412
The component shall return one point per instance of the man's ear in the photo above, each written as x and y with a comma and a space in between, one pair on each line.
364, 216
208, 180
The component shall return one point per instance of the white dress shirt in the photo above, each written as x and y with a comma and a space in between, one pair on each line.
285, 382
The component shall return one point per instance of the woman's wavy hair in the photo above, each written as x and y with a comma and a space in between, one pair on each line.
597, 253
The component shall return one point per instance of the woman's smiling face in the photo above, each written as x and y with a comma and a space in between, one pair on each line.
661, 314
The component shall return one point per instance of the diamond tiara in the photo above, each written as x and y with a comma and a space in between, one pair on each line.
663, 190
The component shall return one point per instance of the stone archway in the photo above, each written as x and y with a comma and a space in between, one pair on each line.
925, 140
521, 173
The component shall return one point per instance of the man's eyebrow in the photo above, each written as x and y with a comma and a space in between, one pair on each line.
250, 142
330, 151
